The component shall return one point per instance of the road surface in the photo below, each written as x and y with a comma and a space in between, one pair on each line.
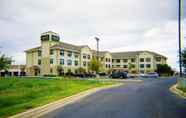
149, 99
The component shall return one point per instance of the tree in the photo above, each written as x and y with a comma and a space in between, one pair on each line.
95, 65
183, 54
164, 69
60, 70
131, 66
5, 62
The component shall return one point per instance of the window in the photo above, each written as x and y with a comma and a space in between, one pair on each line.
84, 63
44, 37
69, 62
69, 54
125, 66
39, 61
51, 61
55, 38
51, 52
148, 59
62, 52
109, 65
158, 59
118, 60
133, 60
76, 56
125, 60
88, 57
141, 59
109, 59
62, 61
106, 65
112, 60
84, 56
76, 63
141, 65
117, 65
148, 65
39, 53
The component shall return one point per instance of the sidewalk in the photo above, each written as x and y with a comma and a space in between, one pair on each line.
178, 91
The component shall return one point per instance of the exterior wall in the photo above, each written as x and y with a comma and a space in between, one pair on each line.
107, 62
85, 52
124, 65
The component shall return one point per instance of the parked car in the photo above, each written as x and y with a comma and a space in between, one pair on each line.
152, 75
122, 75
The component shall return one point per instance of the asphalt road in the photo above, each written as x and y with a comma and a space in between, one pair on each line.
149, 99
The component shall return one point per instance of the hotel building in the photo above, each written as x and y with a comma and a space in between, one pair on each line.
52, 54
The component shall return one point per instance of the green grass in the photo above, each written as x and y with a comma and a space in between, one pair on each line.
20, 94
181, 84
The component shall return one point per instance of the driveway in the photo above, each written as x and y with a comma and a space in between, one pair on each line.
148, 99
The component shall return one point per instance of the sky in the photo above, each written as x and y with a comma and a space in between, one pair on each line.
122, 25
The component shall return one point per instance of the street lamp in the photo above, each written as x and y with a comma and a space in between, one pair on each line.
179, 36
97, 39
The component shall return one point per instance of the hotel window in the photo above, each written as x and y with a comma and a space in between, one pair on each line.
106, 65
141, 59
109, 65
84, 56
84, 63
62, 61
141, 65
76, 63
55, 38
76, 56
148, 59
88, 56
125, 66
112, 60
133, 60
62, 52
39, 53
51, 52
148, 65
69, 62
158, 59
117, 65
108, 59
118, 60
69, 54
44, 37
125, 60
51, 61
39, 61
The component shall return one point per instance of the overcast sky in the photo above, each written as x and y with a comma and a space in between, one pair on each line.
122, 25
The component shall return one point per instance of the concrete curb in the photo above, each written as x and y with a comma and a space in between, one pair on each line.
177, 91
42, 110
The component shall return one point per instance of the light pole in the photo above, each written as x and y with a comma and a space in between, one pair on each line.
179, 36
97, 39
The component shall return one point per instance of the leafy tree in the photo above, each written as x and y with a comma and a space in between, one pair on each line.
164, 69
81, 70
131, 66
60, 70
5, 62
183, 54
95, 65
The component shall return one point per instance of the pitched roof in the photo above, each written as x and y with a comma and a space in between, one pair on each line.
131, 54
67, 46
101, 53
33, 49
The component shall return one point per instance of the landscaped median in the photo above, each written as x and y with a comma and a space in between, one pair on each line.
180, 87
21, 94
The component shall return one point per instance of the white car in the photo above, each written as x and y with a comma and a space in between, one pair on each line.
152, 75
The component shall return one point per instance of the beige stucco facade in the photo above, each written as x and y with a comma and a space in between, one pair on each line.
53, 54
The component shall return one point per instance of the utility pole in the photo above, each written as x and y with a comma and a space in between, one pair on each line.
97, 40
179, 36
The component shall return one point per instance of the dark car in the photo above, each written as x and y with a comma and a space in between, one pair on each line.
122, 75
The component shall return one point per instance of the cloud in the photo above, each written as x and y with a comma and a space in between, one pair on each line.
122, 25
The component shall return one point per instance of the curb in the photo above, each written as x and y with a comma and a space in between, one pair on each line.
177, 91
42, 110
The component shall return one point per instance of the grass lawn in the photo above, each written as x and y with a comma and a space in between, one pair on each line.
181, 84
20, 94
